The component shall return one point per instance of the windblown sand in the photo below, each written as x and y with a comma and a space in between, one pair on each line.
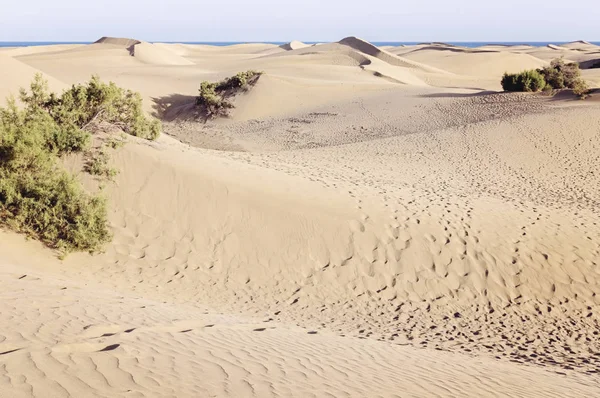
368, 222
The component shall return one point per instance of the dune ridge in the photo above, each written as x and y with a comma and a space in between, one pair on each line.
118, 41
154, 55
369, 49
293, 45
16, 74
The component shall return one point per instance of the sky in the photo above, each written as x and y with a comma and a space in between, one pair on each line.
305, 20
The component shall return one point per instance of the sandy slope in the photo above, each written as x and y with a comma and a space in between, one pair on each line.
90, 341
474, 63
372, 225
16, 74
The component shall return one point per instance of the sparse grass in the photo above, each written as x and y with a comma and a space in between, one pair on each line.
213, 98
37, 196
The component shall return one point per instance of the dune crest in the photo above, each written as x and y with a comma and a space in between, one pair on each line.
155, 55
580, 45
372, 50
147, 53
118, 41
16, 74
293, 45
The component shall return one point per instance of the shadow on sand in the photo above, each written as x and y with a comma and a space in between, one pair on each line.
177, 107
460, 95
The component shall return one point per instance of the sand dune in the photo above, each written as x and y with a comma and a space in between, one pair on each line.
486, 63
580, 45
370, 49
146, 52
151, 54
108, 49
506, 47
18, 51
118, 41
294, 45
64, 352
16, 74
365, 223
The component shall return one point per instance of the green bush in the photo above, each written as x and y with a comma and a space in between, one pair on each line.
558, 75
213, 98
213, 103
581, 89
37, 196
86, 106
240, 80
529, 81
561, 75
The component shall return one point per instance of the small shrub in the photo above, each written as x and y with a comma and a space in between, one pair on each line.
510, 82
84, 106
581, 89
240, 80
98, 165
214, 97
548, 90
213, 102
115, 143
560, 75
529, 81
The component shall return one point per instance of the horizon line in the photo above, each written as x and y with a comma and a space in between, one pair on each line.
308, 41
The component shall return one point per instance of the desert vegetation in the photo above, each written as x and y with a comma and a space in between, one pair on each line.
40, 198
528, 81
98, 164
214, 97
557, 76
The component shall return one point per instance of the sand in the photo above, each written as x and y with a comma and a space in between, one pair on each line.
367, 222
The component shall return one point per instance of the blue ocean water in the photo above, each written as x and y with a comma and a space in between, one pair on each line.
377, 43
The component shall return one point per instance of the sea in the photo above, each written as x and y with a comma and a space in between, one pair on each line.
470, 44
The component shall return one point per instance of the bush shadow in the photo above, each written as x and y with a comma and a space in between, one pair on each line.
459, 95
177, 107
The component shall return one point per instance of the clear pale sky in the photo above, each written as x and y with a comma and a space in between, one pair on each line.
308, 20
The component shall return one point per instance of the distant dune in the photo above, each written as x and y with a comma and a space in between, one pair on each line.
369, 49
16, 74
580, 45
475, 63
293, 45
118, 41
155, 55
